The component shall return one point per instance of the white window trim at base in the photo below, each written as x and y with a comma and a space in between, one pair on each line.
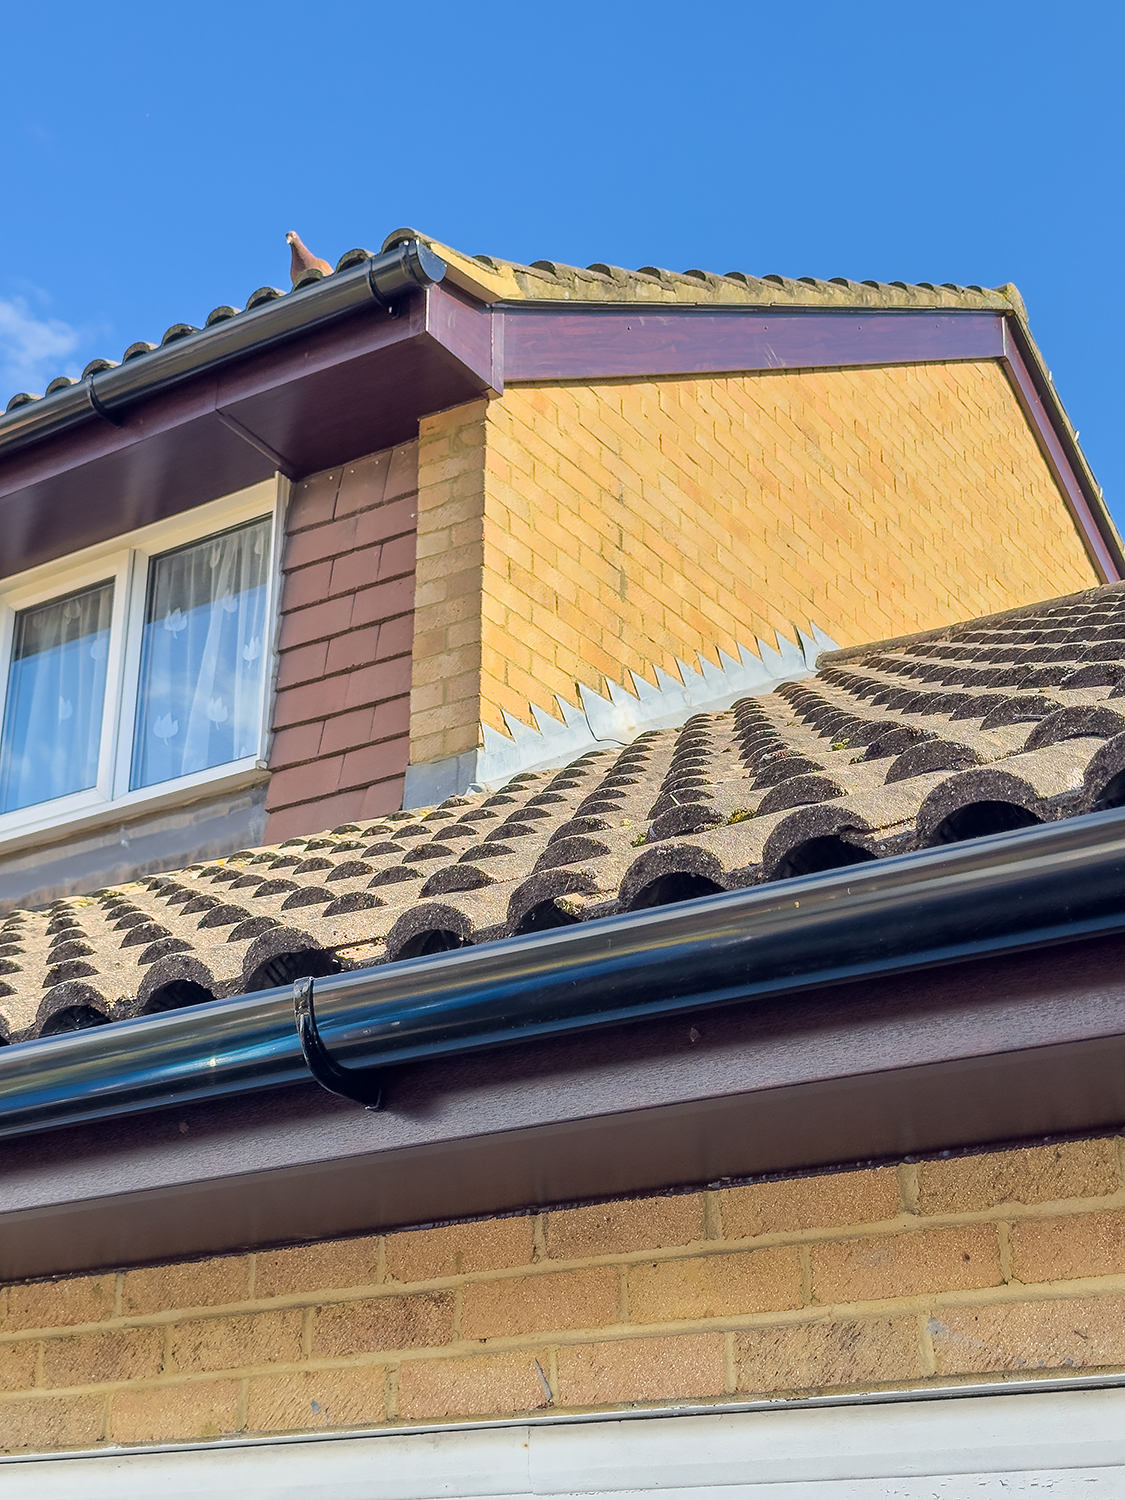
235, 776
1002, 1441
125, 559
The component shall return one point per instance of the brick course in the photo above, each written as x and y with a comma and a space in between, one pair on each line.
827, 1355
972, 1267
341, 713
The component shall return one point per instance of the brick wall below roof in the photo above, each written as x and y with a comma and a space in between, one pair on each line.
341, 716
1010, 1263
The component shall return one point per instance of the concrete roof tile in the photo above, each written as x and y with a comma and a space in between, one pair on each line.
861, 761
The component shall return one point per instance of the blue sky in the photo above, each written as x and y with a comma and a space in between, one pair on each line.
155, 155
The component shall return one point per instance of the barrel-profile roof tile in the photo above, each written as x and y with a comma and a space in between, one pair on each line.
988, 725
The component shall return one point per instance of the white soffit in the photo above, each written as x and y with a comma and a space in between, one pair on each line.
1062, 1444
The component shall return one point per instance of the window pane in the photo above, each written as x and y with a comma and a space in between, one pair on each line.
56, 694
202, 656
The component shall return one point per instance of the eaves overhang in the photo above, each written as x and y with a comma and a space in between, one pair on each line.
954, 996
313, 379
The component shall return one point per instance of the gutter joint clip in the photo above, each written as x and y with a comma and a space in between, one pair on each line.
360, 1088
96, 404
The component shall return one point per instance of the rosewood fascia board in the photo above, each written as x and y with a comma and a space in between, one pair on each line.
304, 403
1009, 892
471, 334
461, 328
871, 1012
1045, 414
380, 279
610, 342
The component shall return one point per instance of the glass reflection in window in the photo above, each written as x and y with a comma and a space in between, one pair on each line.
202, 656
55, 699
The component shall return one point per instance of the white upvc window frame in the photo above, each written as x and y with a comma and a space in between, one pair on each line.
125, 560
1011, 1438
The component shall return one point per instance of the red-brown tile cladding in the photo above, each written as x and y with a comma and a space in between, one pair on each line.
341, 716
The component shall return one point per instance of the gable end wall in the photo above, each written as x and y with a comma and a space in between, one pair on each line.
620, 525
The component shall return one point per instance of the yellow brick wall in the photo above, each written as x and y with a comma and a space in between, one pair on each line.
966, 1268
445, 691
627, 523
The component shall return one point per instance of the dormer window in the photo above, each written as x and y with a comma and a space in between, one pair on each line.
140, 669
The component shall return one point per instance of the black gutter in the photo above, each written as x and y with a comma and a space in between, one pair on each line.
1012, 891
381, 280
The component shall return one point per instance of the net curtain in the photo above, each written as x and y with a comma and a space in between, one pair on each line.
203, 655
55, 699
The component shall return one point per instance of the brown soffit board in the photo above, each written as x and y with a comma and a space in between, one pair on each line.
554, 343
339, 392
976, 1053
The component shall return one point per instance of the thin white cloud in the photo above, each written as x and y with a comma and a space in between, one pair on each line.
32, 350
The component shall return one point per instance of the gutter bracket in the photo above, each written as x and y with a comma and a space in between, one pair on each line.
97, 406
360, 1088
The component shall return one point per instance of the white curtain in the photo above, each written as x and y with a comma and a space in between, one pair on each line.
203, 655
55, 698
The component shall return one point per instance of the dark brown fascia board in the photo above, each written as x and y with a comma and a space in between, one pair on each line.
560, 341
564, 341
1058, 442
107, 393
761, 1030
985, 1052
